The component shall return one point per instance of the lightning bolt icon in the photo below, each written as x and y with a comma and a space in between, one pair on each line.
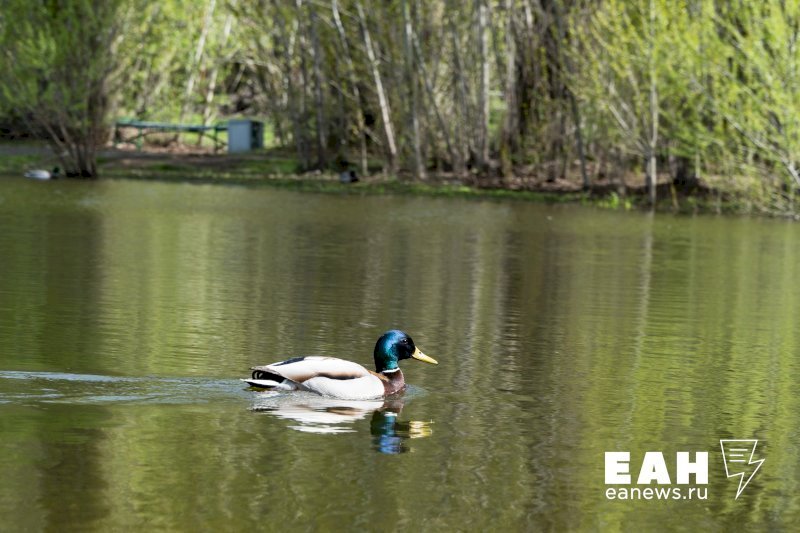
738, 455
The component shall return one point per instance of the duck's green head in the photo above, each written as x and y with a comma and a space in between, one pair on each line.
393, 347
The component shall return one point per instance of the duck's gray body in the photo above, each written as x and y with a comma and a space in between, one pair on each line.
339, 378
328, 376
39, 174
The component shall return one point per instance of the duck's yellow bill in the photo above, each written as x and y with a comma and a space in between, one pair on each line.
422, 357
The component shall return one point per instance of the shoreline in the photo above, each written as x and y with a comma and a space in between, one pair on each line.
276, 168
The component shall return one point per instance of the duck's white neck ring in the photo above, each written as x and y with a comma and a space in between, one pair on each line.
392, 371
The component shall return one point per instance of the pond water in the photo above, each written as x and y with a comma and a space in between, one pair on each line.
128, 311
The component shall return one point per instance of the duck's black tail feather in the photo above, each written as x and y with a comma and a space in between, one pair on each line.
265, 375
264, 379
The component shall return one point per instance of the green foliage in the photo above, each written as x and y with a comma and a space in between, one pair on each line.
762, 78
726, 76
710, 90
61, 68
179, 45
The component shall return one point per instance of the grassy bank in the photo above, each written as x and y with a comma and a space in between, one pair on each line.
277, 169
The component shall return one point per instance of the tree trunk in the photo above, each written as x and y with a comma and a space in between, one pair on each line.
288, 40
650, 176
463, 144
303, 92
576, 118
197, 59
654, 112
419, 167
212, 82
483, 91
511, 119
432, 97
319, 95
351, 74
382, 100
566, 63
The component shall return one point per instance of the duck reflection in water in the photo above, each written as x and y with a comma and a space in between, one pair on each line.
317, 414
390, 434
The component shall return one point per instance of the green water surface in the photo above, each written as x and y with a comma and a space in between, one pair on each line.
128, 311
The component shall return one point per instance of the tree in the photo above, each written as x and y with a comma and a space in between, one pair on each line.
61, 65
631, 46
383, 100
482, 40
411, 79
760, 67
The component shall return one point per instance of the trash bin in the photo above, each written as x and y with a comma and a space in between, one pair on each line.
245, 135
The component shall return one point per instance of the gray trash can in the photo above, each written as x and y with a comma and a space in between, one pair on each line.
245, 135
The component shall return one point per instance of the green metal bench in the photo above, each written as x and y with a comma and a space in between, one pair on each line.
146, 127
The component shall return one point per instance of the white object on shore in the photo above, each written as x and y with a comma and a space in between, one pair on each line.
40, 174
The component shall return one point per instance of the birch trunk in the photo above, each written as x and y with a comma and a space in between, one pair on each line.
319, 95
382, 101
462, 113
288, 46
419, 167
432, 97
483, 91
652, 176
351, 74
511, 119
566, 63
212, 82
197, 58
303, 92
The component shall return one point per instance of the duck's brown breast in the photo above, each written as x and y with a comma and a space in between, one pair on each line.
393, 382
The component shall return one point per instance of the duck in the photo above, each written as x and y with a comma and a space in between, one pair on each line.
348, 176
39, 174
339, 378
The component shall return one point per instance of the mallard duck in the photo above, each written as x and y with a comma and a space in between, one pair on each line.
348, 176
38, 174
338, 378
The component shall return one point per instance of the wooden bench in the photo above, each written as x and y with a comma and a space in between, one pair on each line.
144, 128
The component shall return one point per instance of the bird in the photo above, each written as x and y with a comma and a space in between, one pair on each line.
338, 378
348, 176
39, 174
